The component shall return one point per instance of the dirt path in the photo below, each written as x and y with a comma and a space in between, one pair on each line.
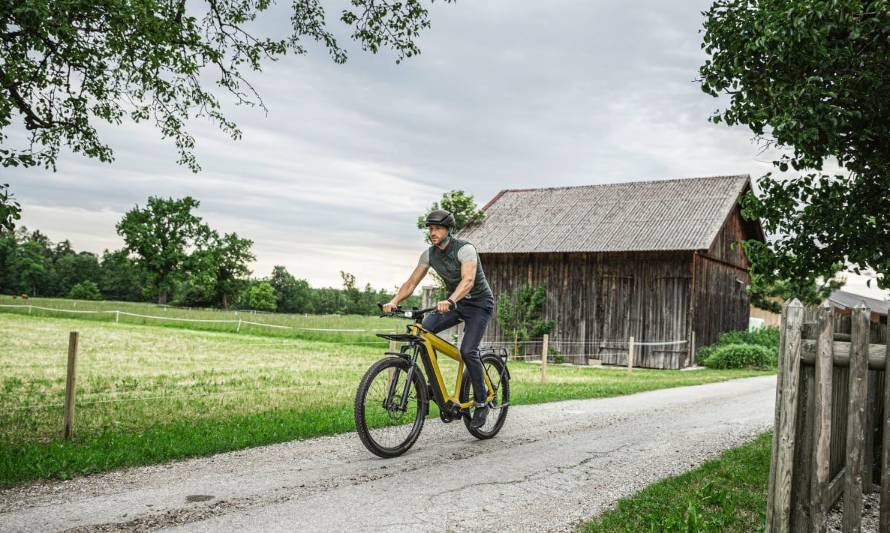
552, 466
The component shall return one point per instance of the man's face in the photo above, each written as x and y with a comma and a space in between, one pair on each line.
437, 233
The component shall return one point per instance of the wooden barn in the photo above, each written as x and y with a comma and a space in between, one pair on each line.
655, 260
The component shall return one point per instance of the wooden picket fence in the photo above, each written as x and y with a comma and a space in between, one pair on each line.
832, 432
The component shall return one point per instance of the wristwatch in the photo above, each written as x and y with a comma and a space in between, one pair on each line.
449, 300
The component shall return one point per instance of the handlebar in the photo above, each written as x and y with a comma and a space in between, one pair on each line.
416, 314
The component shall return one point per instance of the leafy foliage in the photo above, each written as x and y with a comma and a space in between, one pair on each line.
160, 235
458, 203
521, 314
751, 356
85, 290
66, 66
262, 297
767, 338
10, 209
812, 79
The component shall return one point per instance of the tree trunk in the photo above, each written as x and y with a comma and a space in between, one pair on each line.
225, 302
162, 297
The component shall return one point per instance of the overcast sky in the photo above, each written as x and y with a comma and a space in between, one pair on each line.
506, 94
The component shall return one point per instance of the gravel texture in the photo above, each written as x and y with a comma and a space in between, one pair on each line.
553, 466
870, 514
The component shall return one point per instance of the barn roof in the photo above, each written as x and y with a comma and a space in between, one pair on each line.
678, 214
849, 300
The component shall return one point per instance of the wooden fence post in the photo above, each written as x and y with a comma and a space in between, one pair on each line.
73, 341
784, 438
545, 347
630, 356
859, 340
885, 451
821, 457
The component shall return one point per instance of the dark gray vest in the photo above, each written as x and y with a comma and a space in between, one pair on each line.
446, 264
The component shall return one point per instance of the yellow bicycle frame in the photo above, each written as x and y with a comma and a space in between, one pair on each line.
435, 345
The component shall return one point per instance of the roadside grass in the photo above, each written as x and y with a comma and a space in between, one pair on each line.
151, 394
727, 494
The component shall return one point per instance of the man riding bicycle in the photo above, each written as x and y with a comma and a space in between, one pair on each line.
470, 298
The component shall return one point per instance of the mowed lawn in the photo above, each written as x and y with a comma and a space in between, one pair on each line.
148, 394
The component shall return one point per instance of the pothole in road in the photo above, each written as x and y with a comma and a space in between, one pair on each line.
198, 498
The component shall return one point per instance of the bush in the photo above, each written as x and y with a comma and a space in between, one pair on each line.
85, 290
766, 337
750, 356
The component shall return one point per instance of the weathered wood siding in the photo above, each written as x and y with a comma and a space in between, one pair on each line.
599, 300
720, 301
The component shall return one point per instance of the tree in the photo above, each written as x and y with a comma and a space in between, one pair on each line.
72, 268
31, 268
812, 80
120, 278
85, 290
459, 204
10, 209
67, 66
230, 255
160, 236
521, 314
262, 297
291, 295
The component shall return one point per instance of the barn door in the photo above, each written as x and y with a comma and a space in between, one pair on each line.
666, 312
615, 317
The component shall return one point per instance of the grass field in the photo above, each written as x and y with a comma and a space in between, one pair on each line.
727, 494
150, 394
356, 328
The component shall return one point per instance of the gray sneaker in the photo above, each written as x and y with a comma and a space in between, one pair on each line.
479, 416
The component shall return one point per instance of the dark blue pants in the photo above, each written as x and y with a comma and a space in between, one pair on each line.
475, 319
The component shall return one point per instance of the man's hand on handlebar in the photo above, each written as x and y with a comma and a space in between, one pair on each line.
389, 307
444, 306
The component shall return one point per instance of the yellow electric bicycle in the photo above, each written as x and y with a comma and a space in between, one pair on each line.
393, 397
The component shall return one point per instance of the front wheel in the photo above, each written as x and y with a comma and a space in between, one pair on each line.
496, 370
389, 411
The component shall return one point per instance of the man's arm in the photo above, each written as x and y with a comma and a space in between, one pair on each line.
407, 288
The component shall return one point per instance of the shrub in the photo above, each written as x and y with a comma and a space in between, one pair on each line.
751, 356
555, 356
85, 290
767, 337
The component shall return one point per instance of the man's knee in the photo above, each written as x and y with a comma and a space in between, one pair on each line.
470, 354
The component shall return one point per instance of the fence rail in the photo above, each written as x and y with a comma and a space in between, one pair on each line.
832, 432
118, 313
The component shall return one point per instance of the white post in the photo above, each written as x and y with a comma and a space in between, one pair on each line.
630, 356
238, 329
545, 348
117, 317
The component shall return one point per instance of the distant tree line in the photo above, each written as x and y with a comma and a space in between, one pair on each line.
170, 256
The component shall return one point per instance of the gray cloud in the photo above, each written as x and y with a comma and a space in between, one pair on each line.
505, 94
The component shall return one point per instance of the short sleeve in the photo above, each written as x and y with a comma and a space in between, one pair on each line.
467, 253
424, 260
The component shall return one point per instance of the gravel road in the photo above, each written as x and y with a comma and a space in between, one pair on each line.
552, 466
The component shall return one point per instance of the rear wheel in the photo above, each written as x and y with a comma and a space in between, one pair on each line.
389, 411
496, 371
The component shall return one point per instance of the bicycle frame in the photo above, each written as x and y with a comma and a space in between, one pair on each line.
432, 345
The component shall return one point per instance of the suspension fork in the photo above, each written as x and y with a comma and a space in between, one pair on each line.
409, 377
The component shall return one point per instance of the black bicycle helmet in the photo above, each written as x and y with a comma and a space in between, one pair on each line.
440, 217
